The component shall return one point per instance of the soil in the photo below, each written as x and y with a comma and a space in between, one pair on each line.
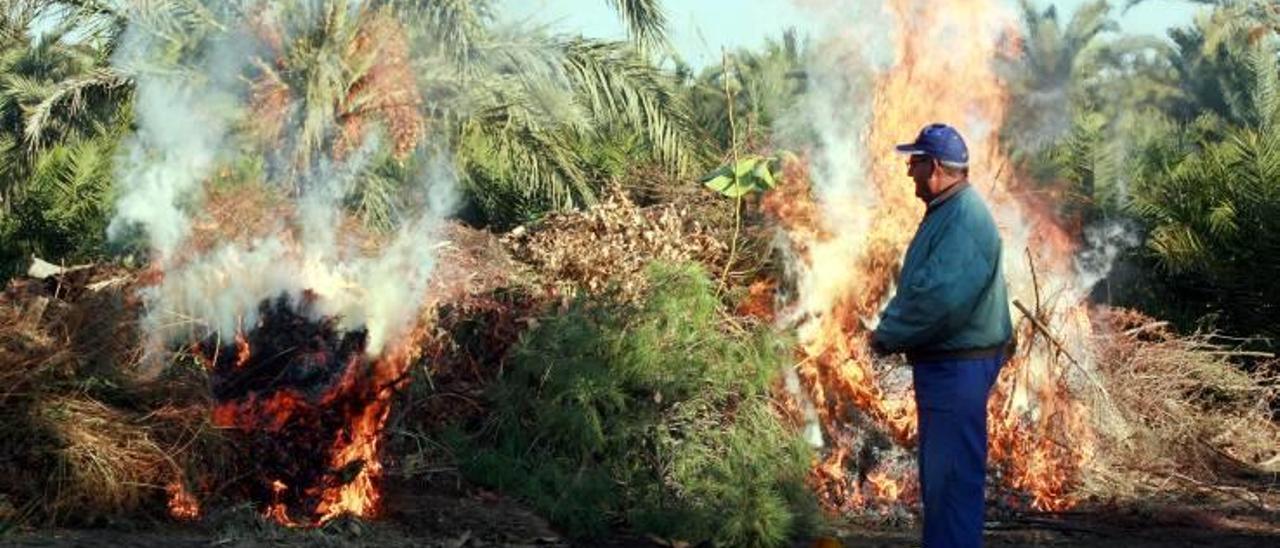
432, 516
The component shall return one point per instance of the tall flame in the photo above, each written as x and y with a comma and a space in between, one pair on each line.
363, 443
1040, 432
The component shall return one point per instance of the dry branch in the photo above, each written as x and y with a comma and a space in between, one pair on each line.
1044, 330
1198, 423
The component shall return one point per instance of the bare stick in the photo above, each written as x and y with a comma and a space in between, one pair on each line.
1230, 490
1239, 353
1042, 328
1035, 282
63, 272
996, 180
733, 168
1143, 328
1027, 522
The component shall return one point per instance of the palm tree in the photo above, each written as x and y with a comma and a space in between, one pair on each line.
1235, 22
522, 141
763, 84
62, 112
1049, 74
528, 113
1212, 60
1210, 195
53, 87
514, 107
65, 205
349, 67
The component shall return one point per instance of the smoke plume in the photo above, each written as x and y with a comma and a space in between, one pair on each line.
193, 116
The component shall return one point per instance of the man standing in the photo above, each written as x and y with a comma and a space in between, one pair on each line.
951, 317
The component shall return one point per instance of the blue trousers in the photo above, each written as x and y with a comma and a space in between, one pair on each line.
951, 397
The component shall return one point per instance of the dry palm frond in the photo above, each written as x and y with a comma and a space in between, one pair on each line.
385, 88
81, 436
103, 460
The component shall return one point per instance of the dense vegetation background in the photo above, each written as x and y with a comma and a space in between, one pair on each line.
1171, 141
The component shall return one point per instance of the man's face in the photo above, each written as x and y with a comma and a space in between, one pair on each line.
920, 168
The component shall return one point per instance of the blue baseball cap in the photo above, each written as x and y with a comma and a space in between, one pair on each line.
942, 142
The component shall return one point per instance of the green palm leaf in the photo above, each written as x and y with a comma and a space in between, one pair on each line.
645, 19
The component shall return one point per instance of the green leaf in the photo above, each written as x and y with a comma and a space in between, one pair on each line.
750, 174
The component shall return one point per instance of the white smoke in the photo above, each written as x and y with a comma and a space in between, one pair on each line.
835, 112
220, 291
1104, 244
183, 118
832, 121
186, 133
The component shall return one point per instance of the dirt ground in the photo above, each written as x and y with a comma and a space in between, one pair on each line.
461, 519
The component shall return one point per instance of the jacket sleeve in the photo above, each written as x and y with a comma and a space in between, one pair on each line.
937, 297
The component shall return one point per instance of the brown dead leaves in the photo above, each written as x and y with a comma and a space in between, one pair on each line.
609, 246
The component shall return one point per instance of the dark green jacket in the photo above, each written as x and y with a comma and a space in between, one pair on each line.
951, 291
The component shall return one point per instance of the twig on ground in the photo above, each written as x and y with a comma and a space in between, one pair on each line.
1028, 522
1240, 353
1256, 501
1144, 328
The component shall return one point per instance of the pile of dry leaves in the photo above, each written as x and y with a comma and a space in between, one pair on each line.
608, 247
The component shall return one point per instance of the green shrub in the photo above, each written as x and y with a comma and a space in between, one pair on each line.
656, 415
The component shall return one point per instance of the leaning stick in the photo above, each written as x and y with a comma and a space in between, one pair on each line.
1042, 328
1035, 283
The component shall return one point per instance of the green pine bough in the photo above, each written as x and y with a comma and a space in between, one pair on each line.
651, 417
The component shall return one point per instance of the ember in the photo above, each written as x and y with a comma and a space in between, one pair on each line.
309, 405
182, 505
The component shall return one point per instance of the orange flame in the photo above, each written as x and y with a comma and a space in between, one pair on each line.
352, 485
242, 350
360, 445
884, 487
759, 301
1040, 431
277, 511
182, 505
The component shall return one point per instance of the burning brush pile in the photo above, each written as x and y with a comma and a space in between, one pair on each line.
304, 322
93, 429
1067, 404
845, 216
309, 405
